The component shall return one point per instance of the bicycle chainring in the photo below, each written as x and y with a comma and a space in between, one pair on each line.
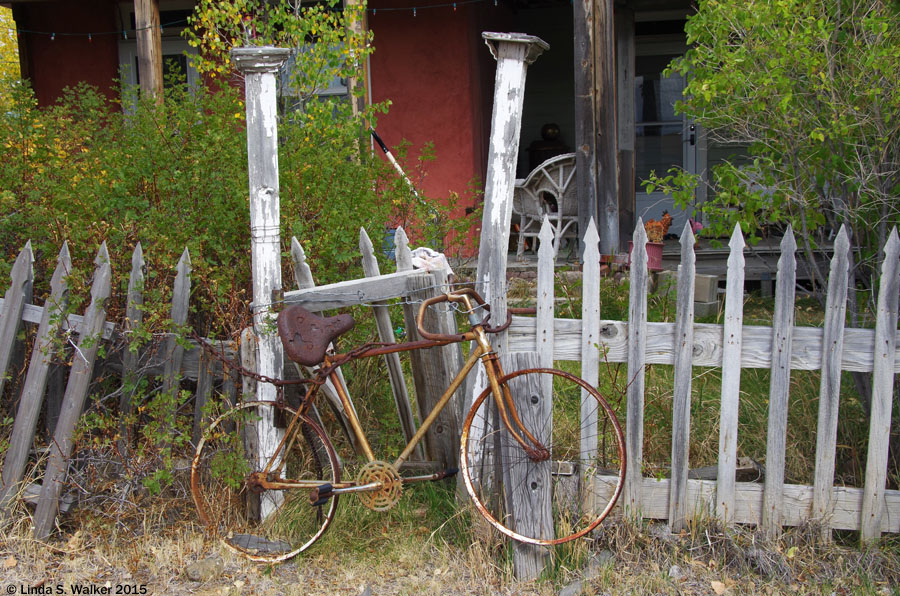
391, 485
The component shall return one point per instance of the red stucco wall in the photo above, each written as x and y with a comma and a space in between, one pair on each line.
430, 65
65, 60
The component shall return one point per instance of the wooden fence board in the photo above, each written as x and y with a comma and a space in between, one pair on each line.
545, 301
882, 392
779, 385
18, 293
74, 323
386, 334
590, 324
830, 385
73, 403
806, 351
173, 351
304, 280
731, 378
637, 345
797, 506
531, 512
134, 316
681, 395
433, 369
22, 435
352, 292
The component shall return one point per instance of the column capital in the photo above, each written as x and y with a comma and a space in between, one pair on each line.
259, 58
535, 46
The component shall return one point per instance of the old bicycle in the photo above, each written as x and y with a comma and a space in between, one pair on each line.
527, 431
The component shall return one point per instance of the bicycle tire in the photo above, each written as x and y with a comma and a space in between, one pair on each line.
230, 509
561, 498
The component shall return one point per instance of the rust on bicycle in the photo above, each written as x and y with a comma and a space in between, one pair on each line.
315, 468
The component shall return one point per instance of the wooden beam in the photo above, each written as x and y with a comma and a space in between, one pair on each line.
606, 132
149, 47
585, 142
625, 52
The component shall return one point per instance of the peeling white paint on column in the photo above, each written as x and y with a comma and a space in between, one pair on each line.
259, 65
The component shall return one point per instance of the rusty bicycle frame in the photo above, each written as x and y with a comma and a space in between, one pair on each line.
269, 478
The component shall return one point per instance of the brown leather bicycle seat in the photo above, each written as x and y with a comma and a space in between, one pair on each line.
306, 336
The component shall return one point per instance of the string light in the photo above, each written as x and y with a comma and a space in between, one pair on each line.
415, 9
53, 37
90, 34
90, 38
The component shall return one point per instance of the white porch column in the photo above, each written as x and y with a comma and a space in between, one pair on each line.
259, 66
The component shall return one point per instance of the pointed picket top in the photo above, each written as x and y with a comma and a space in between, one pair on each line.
591, 236
687, 236
841, 250
102, 274
137, 262
23, 269
63, 267
184, 263
302, 273
365, 244
736, 244
546, 234
638, 250
401, 250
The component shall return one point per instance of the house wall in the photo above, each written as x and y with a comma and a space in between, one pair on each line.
54, 64
438, 74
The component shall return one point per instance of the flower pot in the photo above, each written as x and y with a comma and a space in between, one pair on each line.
654, 255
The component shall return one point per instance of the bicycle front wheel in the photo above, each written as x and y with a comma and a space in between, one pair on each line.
263, 525
534, 498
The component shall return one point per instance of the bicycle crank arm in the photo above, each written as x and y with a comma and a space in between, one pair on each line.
321, 494
449, 472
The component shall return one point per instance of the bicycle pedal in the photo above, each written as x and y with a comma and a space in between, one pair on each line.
319, 496
448, 473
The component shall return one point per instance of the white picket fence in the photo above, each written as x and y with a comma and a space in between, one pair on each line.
732, 346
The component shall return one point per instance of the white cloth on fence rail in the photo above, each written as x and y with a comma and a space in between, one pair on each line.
429, 259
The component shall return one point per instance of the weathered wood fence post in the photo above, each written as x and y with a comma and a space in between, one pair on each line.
259, 65
35, 381
75, 396
18, 293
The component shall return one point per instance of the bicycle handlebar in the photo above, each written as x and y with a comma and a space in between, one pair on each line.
463, 296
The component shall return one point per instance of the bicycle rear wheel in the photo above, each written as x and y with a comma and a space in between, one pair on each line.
231, 509
562, 497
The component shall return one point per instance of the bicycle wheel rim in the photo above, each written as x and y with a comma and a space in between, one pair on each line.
229, 509
482, 434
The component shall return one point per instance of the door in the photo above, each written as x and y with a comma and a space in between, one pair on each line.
662, 138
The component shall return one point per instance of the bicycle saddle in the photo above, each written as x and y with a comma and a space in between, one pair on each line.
305, 336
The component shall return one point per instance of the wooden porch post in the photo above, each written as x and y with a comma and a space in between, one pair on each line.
259, 66
149, 47
625, 52
513, 52
596, 135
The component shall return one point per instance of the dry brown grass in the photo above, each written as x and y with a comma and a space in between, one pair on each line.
458, 555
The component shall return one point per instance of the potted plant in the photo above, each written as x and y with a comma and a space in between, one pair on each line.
656, 232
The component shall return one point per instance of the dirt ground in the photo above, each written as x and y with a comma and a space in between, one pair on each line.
180, 560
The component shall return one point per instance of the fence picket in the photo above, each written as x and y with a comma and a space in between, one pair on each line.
637, 350
731, 378
882, 392
432, 370
73, 402
173, 352
19, 292
530, 513
545, 301
779, 386
304, 280
830, 382
134, 315
590, 328
22, 435
681, 396
386, 334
